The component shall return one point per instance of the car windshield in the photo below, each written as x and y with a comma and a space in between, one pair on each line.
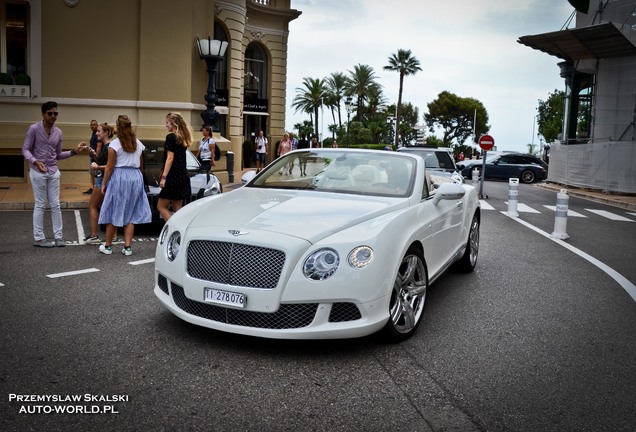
360, 172
434, 159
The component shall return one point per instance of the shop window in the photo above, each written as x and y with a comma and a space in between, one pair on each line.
255, 74
13, 47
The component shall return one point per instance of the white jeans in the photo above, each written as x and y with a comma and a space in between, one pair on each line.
46, 187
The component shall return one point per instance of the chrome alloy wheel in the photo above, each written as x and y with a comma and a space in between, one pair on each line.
408, 296
473, 242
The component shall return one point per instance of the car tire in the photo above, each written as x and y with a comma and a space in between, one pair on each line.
468, 261
527, 176
408, 296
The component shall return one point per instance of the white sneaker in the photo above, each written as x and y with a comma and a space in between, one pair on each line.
108, 250
126, 250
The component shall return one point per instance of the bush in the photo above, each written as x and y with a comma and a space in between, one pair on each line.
23, 79
5, 79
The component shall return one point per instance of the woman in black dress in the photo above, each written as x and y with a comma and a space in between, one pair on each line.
175, 183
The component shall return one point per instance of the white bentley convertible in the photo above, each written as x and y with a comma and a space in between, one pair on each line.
323, 243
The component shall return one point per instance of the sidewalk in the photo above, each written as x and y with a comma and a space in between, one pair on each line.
19, 196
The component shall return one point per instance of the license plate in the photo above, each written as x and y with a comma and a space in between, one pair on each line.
224, 297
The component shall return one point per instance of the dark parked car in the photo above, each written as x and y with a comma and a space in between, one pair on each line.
509, 165
203, 183
437, 160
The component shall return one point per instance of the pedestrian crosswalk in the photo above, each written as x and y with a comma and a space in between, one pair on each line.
620, 216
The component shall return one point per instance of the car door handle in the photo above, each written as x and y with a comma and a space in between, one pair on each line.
459, 204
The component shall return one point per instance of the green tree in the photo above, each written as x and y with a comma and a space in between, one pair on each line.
532, 148
455, 116
336, 85
405, 64
310, 98
550, 116
361, 82
407, 133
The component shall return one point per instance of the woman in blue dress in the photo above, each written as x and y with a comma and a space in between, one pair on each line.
125, 202
175, 183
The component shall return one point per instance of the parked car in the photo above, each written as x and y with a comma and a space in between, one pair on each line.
436, 159
203, 183
505, 166
347, 250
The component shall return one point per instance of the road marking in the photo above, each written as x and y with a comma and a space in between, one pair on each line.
80, 228
523, 208
609, 215
629, 287
485, 205
146, 261
1, 284
72, 273
570, 212
630, 213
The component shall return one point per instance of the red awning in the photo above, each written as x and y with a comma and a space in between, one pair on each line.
597, 41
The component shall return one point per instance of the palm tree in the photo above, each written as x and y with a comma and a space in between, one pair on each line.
336, 83
310, 98
404, 63
361, 82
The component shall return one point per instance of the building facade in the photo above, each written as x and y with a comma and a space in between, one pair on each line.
598, 145
99, 59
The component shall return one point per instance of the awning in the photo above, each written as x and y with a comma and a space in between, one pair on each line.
597, 41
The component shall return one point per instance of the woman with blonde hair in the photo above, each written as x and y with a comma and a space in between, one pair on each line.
104, 134
175, 183
125, 202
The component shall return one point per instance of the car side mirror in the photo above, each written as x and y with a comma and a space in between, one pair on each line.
448, 191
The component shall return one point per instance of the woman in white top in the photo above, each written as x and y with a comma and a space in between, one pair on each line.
206, 148
125, 202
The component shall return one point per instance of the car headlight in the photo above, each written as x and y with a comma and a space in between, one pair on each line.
164, 233
360, 257
321, 264
173, 246
214, 189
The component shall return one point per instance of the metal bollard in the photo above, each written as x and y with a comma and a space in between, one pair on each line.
230, 166
475, 177
513, 197
561, 215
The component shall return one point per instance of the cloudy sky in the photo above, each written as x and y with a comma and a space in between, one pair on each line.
467, 47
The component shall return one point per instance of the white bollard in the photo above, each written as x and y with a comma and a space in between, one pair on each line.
561, 215
513, 197
475, 177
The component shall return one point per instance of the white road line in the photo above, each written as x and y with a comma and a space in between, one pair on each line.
523, 208
632, 214
72, 273
146, 261
609, 215
1, 284
80, 227
571, 213
629, 287
485, 205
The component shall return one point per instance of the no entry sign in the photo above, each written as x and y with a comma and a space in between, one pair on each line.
486, 142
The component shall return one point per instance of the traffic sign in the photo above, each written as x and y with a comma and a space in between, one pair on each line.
486, 142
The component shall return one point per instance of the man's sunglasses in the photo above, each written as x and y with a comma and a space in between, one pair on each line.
52, 113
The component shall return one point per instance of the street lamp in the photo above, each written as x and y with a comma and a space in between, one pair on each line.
349, 108
212, 51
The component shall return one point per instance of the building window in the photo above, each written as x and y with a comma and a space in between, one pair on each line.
255, 78
13, 46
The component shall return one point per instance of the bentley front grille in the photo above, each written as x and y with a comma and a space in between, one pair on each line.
288, 316
235, 263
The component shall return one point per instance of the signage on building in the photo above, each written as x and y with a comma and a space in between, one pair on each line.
221, 98
15, 91
255, 105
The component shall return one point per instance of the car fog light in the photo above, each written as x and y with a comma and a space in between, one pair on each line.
360, 257
173, 246
321, 264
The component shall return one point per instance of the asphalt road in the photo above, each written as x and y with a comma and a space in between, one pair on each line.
538, 338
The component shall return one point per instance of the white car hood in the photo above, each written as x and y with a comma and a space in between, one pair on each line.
308, 215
